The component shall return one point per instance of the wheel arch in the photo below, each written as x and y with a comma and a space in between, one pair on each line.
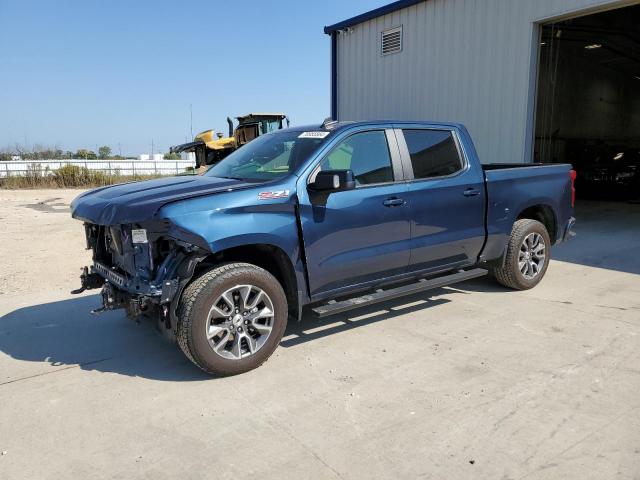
267, 256
544, 214
539, 211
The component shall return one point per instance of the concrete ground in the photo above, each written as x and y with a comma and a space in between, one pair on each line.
467, 382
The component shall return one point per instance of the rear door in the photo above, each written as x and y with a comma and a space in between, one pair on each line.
362, 235
446, 196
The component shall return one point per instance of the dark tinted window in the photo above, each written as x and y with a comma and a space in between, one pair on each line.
433, 153
366, 154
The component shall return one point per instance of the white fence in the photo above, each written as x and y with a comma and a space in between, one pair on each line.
112, 167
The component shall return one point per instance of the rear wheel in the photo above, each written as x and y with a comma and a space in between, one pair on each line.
232, 318
527, 256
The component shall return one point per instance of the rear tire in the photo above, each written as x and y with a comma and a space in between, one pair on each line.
527, 257
231, 319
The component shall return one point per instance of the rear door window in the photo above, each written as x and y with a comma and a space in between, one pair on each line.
433, 153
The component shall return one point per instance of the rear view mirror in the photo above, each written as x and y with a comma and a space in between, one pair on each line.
278, 149
333, 181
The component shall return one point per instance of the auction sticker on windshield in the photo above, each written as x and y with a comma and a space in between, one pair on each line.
313, 134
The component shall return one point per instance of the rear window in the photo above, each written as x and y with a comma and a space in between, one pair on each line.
433, 153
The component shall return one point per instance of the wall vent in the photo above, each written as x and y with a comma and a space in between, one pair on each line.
391, 41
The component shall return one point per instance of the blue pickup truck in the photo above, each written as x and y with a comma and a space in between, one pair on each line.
329, 217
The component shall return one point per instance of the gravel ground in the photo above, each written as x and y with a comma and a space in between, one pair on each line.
467, 382
38, 241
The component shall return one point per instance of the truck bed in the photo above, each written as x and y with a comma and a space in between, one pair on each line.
512, 188
502, 166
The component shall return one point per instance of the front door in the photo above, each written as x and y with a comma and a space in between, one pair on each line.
362, 235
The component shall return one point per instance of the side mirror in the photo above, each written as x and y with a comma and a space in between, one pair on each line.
333, 181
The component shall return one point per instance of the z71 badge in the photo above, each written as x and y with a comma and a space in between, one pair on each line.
272, 195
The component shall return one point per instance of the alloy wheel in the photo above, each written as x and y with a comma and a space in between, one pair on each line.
240, 322
532, 256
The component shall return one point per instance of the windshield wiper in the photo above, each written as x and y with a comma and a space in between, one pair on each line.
232, 178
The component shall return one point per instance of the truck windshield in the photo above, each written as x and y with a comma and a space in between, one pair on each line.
266, 158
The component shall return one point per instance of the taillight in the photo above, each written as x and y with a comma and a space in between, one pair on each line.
572, 176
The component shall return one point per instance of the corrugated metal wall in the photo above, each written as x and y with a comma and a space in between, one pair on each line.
470, 61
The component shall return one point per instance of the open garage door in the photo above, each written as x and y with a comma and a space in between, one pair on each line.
588, 101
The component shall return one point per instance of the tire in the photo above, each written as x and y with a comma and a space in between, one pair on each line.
203, 310
510, 273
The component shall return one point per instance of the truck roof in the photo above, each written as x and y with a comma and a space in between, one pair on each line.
338, 126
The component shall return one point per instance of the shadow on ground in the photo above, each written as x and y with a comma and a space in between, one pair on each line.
64, 334
607, 237
312, 328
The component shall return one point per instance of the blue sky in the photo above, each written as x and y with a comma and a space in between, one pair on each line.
85, 73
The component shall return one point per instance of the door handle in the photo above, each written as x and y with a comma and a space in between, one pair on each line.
471, 192
393, 202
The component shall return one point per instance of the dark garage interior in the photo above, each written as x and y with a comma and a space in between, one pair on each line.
588, 101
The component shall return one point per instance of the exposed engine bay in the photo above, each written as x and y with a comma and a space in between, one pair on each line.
139, 268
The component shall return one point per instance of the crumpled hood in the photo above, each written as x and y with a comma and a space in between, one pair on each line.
140, 201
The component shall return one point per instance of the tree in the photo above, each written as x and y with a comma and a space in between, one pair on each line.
36, 152
85, 154
171, 156
104, 152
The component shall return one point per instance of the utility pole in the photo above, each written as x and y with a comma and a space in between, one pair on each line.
152, 148
119, 150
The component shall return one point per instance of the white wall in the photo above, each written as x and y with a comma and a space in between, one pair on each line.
112, 167
469, 61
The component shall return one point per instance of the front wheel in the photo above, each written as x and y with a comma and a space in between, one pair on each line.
232, 318
527, 256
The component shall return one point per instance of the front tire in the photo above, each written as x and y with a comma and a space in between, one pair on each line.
231, 319
527, 256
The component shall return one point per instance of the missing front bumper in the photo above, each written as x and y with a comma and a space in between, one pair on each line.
88, 281
140, 296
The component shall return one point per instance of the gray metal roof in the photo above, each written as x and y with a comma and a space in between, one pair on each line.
378, 12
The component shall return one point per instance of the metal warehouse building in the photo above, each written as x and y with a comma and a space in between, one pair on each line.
533, 80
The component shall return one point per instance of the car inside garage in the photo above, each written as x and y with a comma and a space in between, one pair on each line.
588, 101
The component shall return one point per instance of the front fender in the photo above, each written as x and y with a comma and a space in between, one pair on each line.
238, 218
243, 218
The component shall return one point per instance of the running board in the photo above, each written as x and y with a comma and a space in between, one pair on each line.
381, 295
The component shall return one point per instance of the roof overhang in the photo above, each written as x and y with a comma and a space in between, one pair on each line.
261, 115
378, 12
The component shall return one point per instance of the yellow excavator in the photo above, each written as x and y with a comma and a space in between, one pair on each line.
211, 147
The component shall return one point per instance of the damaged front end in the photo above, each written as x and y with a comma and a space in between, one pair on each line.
142, 268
